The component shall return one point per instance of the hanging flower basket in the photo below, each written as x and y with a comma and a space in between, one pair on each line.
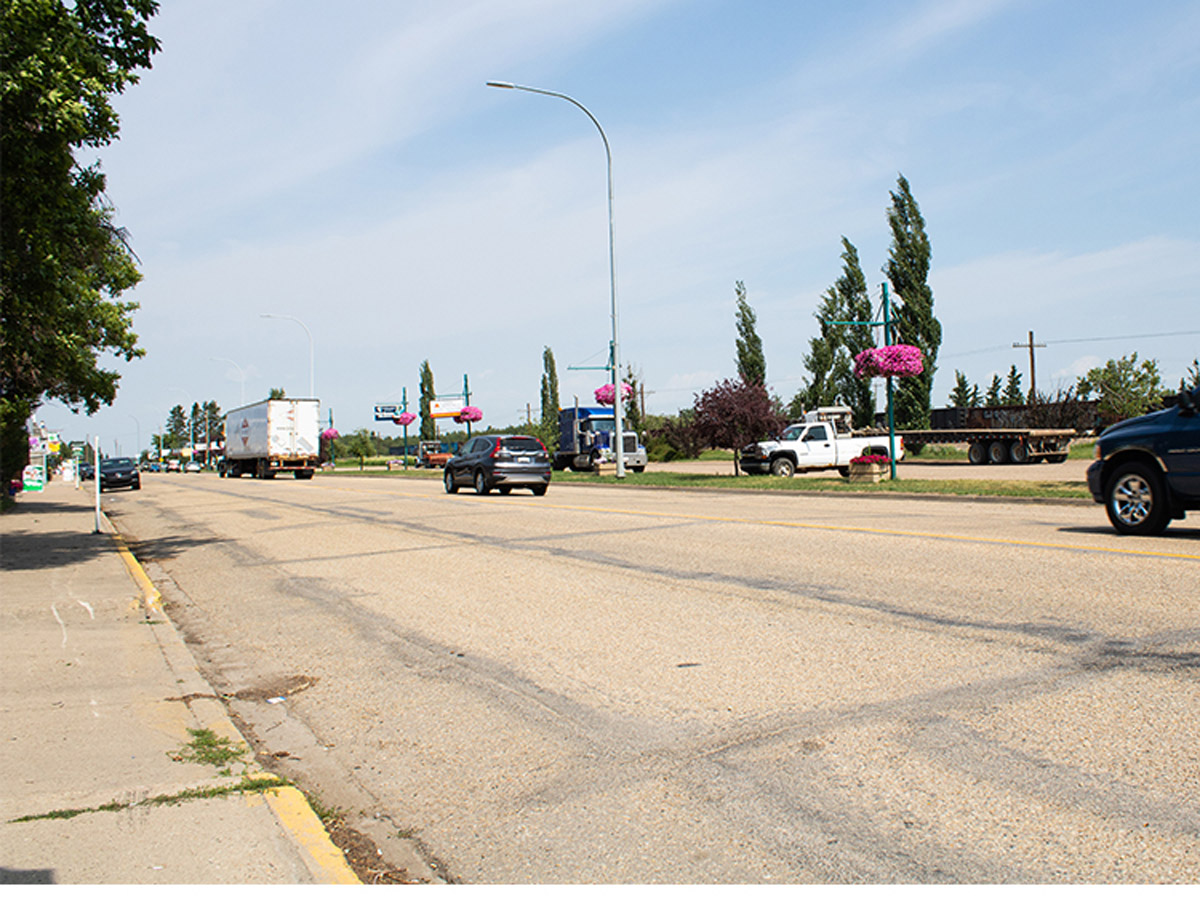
404, 419
330, 434
469, 413
605, 394
898, 361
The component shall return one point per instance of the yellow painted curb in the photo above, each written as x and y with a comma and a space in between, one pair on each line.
324, 860
150, 595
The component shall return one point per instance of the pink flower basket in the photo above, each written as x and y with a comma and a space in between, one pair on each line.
899, 361
330, 434
605, 394
404, 419
469, 413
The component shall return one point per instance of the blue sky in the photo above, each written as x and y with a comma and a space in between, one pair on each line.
346, 165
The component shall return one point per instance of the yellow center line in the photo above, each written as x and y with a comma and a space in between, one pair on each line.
840, 528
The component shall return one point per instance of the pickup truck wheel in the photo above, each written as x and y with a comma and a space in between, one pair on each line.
997, 452
783, 468
844, 471
1018, 452
1136, 501
448, 481
481, 484
977, 454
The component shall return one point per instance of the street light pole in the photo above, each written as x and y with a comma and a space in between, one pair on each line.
241, 374
311, 390
618, 411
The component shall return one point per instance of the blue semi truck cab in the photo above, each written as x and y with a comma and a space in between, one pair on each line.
585, 440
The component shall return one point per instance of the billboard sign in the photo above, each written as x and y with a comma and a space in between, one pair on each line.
445, 408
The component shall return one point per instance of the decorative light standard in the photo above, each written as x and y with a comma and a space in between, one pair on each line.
618, 411
311, 391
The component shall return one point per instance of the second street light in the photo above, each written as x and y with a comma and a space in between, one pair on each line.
311, 391
618, 412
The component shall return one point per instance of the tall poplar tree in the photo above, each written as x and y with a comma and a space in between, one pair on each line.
908, 271
830, 360
751, 363
550, 402
428, 425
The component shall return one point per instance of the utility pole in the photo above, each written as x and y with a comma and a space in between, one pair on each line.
1032, 367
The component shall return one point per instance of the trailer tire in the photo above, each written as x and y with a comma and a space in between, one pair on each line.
783, 467
977, 453
1057, 457
1018, 452
997, 452
304, 474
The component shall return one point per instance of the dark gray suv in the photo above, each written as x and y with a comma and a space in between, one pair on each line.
500, 462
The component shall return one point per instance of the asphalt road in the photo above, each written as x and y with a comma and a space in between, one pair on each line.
615, 685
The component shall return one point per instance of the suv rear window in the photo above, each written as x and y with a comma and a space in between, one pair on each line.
522, 444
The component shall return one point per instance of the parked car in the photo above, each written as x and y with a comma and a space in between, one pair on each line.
193, 466
173, 465
87, 471
1147, 469
499, 462
119, 471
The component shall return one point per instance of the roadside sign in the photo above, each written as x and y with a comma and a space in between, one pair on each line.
388, 411
445, 408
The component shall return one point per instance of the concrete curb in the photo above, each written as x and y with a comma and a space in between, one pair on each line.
324, 860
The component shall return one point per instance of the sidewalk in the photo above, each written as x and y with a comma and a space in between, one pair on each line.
118, 764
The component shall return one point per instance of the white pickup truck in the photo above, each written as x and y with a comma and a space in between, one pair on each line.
822, 441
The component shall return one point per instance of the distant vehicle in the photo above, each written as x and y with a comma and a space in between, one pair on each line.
822, 441
119, 472
87, 471
499, 462
174, 465
272, 437
431, 455
193, 466
1147, 469
1002, 435
585, 440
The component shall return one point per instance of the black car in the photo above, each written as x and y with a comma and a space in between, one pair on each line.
1147, 469
119, 472
499, 462
87, 471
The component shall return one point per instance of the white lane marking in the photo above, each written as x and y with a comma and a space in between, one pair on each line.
88, 606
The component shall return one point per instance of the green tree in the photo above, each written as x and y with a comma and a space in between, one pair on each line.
178, 431
751, 363
830, 360
964, 394
633, 407
1123, 387
1013, 394
428, 425
1191, 378
855, 302
993, 392
550, 402
361, 444
908, 271
277, 393
63, 260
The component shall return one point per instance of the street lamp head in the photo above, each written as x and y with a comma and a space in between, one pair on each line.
507, 85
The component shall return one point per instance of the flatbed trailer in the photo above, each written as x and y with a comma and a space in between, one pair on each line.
1000, 446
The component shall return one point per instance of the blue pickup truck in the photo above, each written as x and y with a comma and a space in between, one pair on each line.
1147, 469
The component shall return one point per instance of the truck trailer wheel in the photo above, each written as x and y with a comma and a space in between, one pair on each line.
783, 467
1018, 452
977, 454
997, 452
1136, 501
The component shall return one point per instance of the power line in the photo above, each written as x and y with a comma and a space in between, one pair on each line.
994, 349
